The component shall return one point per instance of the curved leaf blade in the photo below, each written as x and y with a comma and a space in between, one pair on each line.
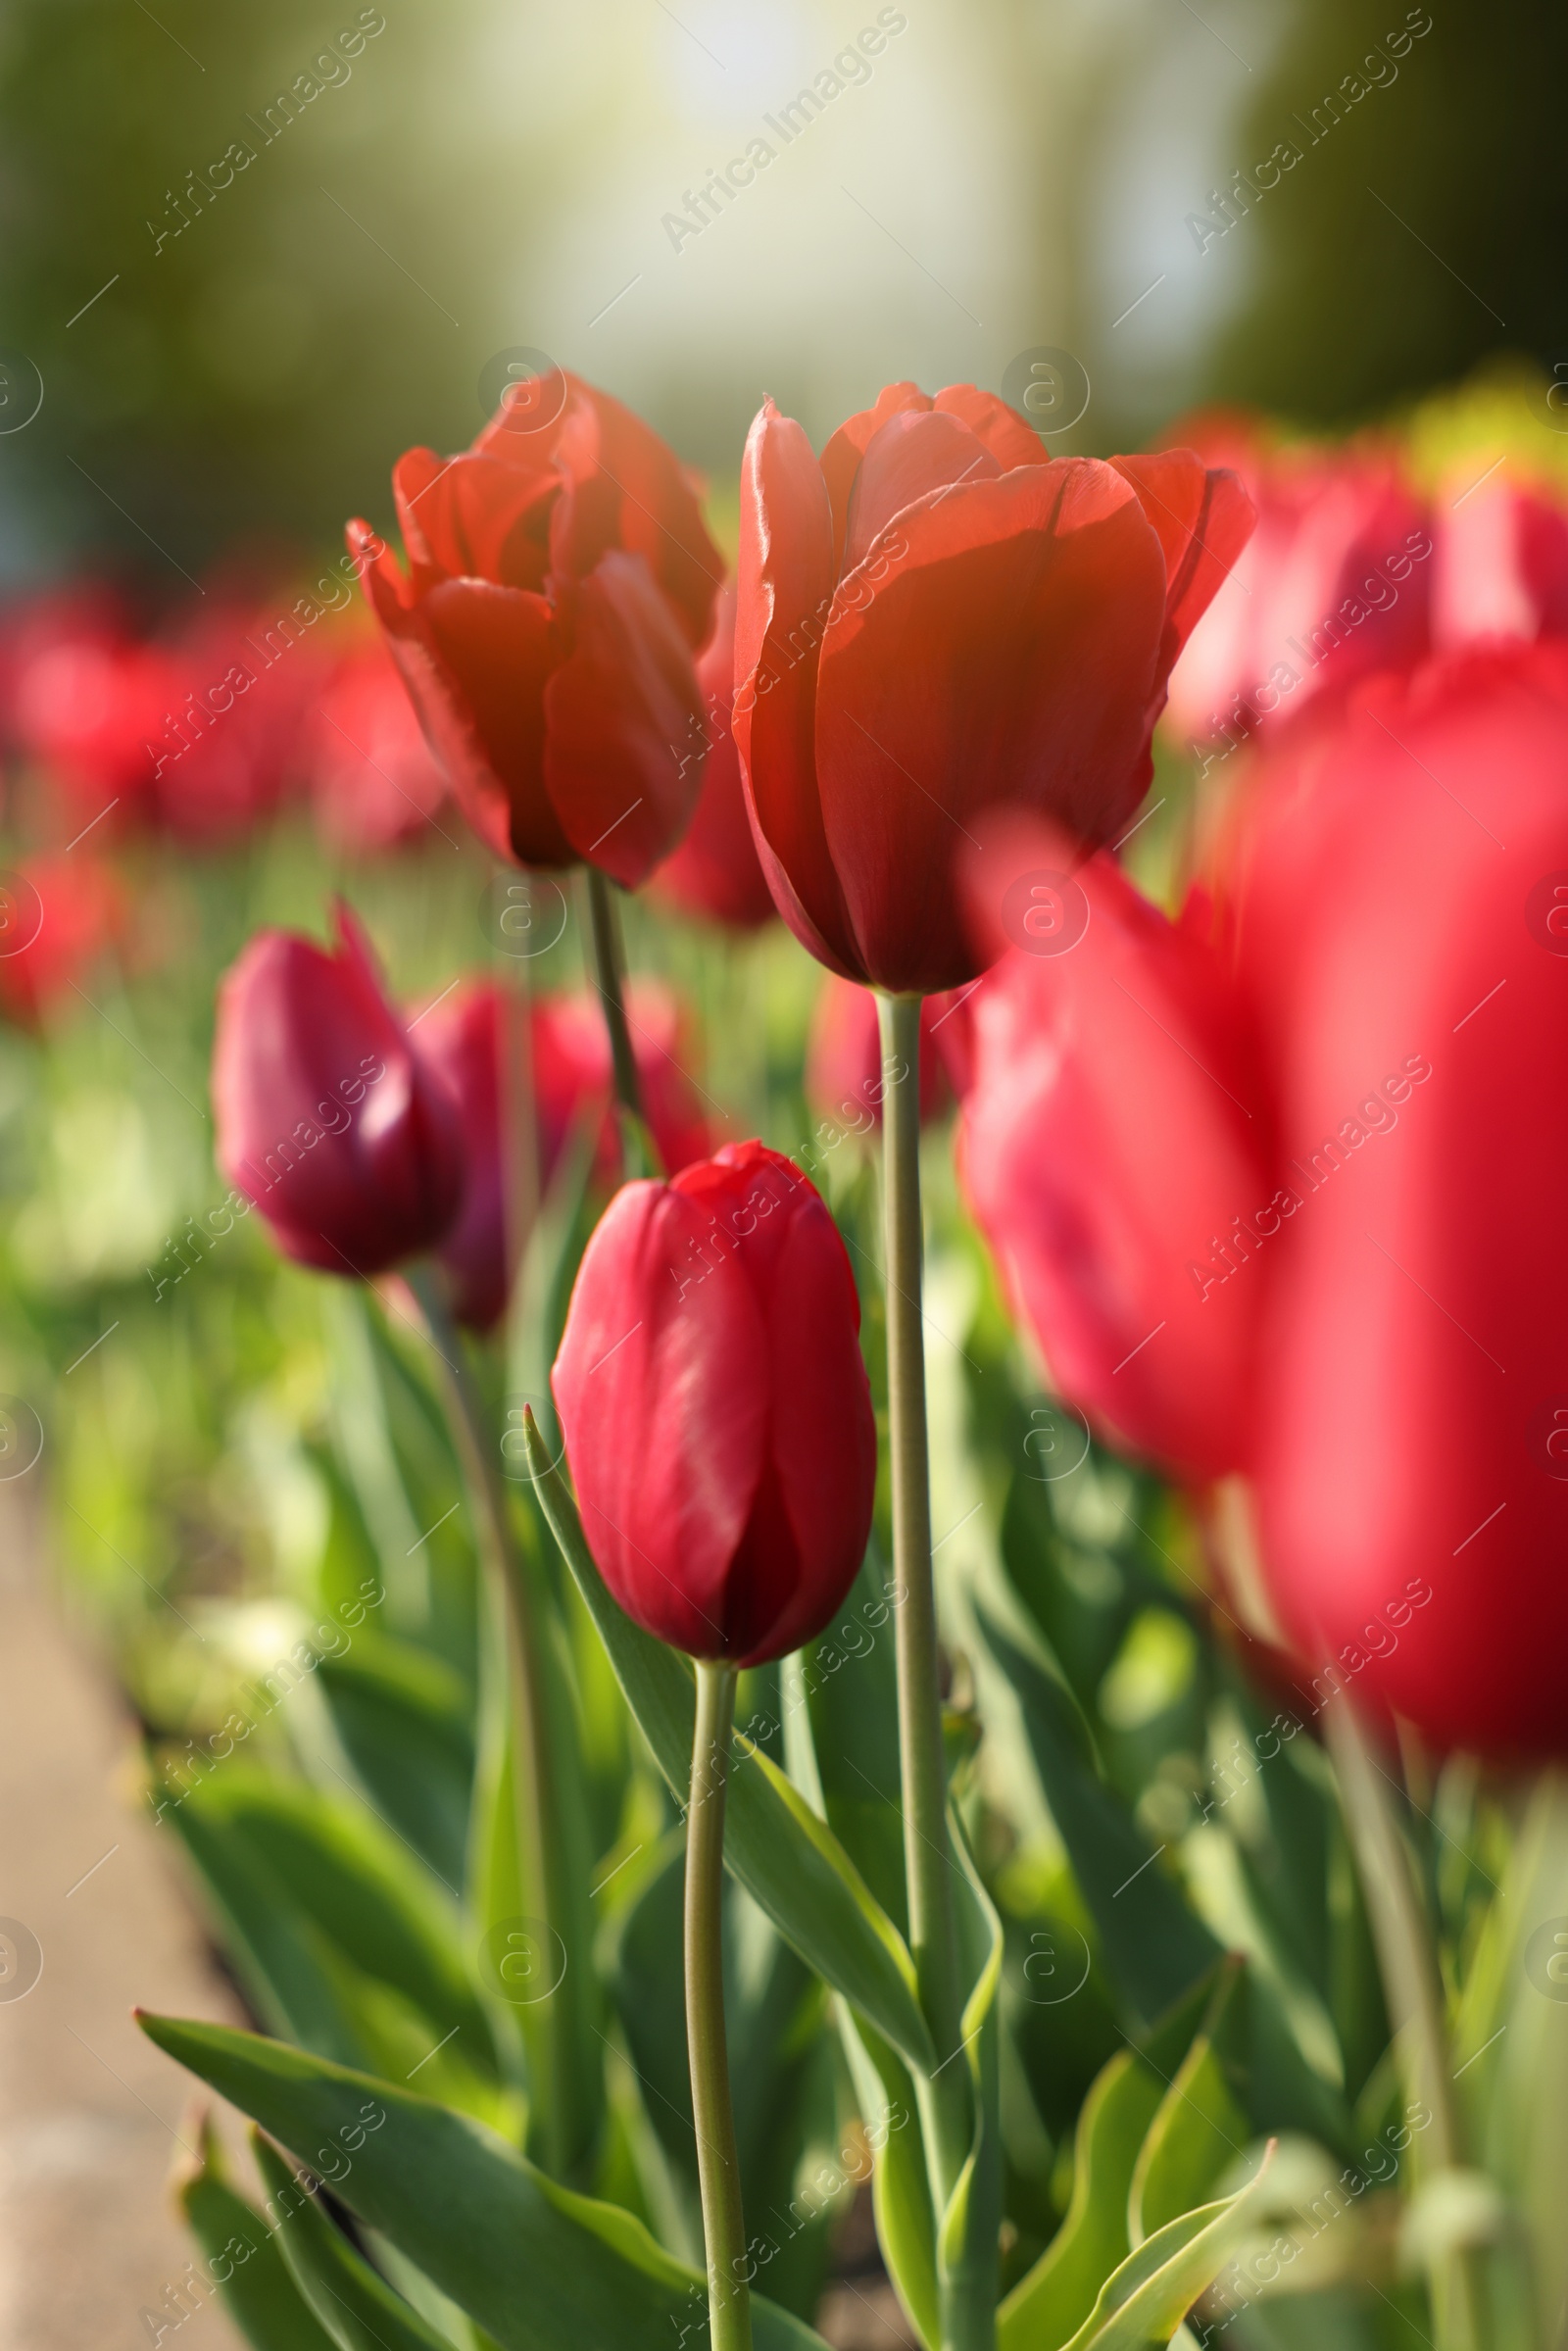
540, 2268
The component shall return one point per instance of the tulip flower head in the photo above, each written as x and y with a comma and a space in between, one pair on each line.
716, 1408
559, 580
328, 1118
936, 620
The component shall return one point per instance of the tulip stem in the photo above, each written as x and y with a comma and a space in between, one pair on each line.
1414, 1991
561, 2105
929, 1866
718, 2163
608, 968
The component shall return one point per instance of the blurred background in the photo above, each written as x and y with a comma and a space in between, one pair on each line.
242, 306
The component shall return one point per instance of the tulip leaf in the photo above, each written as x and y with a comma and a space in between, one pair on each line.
1145, 2299
966, 2237
901, 2187
244, 2261
1197, 2134
1155, 1947
276, 1856
402, 1717
538, 2266
1058, 2295
358, 2309
787, 1858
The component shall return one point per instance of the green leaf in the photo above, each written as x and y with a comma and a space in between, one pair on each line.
845, 1688
968, 2232
788, 1859
1058, 2292
403, 1718
540, 2268
1147, 2298
358, 2309
244, 2261
1198, 2132
901, 2187
355, 1885
1154, 1946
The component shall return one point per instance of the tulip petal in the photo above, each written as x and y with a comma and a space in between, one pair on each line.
840, 458
474, 518
1105, 1242
785, 589
624, 740
912, 454
821, 1441
476, 661
1009, 437
665, 1411
1202, 518
629, 490
1009, 656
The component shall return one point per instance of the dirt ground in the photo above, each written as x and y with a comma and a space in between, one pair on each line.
91, 2116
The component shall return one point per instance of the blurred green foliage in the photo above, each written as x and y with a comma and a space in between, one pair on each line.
1419, 234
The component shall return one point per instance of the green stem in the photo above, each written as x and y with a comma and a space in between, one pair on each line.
519, 1127
561, 2107
927, 1859
609, 966
718, 2164
1414, 1989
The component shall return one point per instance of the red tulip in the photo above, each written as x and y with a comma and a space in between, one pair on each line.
57, 916
716, 1408
715, 870
1335, 584
326, 1117
1115, 1135
227, 749
1414, 1388
83, 700
937, 621
1502, 564
844, 1053
1380, 1349
559, 579
457, 1039
374, 782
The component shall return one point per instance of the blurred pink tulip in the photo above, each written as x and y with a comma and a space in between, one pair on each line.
1335, 584
1502, 564
373, 781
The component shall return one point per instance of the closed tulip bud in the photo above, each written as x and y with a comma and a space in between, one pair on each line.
716, 1408
328, 1119
559, 579
938, 621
